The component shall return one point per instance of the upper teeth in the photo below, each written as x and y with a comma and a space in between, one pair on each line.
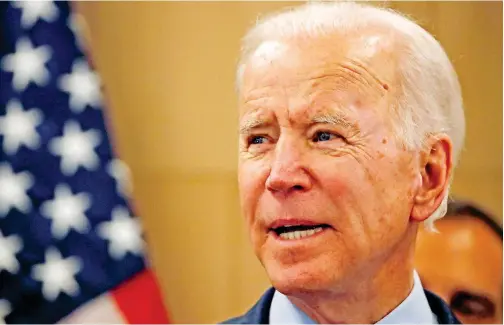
300, 233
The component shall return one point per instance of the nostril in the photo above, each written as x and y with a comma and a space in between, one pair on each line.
298, 187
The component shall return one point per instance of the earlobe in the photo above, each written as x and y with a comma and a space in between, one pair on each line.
435, 173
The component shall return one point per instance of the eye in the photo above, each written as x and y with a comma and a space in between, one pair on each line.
257, 139
472, 305
324, 136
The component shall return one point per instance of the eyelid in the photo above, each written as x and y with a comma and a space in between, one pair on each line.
327, 131
325, 127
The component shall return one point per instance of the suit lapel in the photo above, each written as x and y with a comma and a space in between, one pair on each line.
259, 313
441, 309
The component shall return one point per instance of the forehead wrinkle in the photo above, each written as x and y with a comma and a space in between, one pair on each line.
355, 53
343, 75
254, 118
255, 95
330, 111
358, 68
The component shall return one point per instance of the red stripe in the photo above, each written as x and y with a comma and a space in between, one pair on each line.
139, 300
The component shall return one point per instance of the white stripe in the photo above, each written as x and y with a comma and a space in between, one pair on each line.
101, 310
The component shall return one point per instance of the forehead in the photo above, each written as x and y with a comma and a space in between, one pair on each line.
357, 67
466, 252
465, 234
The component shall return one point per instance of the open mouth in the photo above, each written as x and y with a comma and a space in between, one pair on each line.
298, 231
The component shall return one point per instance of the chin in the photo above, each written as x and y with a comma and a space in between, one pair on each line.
304, 277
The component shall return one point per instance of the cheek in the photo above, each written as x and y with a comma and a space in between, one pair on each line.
347, 190
390, 197
371, 190
251, 185
346, 179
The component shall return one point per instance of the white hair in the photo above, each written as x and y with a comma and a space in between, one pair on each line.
429, 99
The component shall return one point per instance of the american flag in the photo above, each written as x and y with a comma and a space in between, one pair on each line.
70, 248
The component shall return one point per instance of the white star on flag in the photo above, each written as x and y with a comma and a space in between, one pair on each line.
9, 247
122, 175
83, 86
123, 232
67, 211
32, 11
27, 64
57, 274
5, 309
13, 190
76, 148
18, 127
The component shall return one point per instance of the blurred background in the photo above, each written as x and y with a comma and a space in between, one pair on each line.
168, 74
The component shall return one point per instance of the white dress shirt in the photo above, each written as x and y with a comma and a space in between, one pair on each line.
414, 309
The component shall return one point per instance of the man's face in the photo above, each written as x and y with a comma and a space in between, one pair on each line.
317, 152
463, 265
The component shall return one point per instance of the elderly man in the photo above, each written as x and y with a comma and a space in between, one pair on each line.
462, 263
351, 121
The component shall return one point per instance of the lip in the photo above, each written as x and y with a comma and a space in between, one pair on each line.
293, 222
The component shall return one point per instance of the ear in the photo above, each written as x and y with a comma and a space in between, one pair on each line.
435, 172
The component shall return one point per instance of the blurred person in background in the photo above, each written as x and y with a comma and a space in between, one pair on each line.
351, 122
463, 263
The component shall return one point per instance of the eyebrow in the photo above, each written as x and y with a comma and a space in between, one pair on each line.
251, 124
336, 119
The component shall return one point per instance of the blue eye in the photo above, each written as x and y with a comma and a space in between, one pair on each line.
257, 140
323, 136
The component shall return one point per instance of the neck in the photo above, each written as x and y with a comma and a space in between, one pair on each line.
368, 296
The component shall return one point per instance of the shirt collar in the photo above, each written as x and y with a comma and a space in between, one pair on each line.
414, 309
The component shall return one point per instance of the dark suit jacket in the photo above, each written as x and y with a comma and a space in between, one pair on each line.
259, 314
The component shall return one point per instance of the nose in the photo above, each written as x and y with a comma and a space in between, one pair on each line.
288, 170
